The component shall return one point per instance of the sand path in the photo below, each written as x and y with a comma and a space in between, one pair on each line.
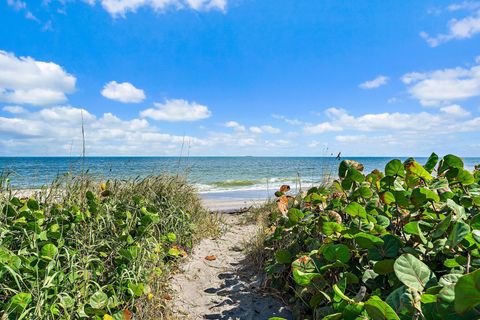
223, 288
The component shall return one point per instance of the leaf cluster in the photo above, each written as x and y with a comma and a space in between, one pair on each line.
398, 244
92, 250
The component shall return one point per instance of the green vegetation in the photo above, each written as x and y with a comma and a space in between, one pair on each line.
84, 250
404, 244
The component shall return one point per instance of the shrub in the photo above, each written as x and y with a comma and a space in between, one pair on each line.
403, 244
86, 250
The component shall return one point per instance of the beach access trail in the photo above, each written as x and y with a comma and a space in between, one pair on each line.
215, 281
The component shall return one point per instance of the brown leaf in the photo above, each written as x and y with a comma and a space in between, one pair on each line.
166, 296
282, 204
210, 258
127, 314
284, 188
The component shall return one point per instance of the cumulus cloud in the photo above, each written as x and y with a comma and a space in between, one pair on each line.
24, 80
177, 110
374, 83
234, 125
119, 8
442, 86
444, 121
264, 129
123, 92
57, 131
457, 29
14, 109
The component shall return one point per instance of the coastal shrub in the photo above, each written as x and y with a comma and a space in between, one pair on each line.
398, 244
96, 251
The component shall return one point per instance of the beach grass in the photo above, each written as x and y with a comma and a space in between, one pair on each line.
84, 249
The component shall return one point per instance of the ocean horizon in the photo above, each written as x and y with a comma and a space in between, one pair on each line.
213, 176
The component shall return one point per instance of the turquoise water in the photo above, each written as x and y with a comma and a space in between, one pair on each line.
211, 175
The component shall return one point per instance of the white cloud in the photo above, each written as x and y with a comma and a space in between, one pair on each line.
465, 5
443, 122
234, 125
321, 128
290, 121
57, 131
442, 86
374, 83
177, 110
264, 129
270, 129
392, 100
24, 80
14, 109
17, 4
455, 110
458, 29
123, 92
350, 138
119, 8
255, 130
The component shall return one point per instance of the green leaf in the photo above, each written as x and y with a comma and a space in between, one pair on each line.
395, 168
98, 300
414, 228
329, 228
459, 231
431, 162
442, 227
32, 204
448, 282
354, 209
49, 251
415, 169
457, 209
412, 272
304, 278
422, 195
355, 175
467, 292
171, 237
384, 267
19, 302
448, 162
367, 241
295, 215
334, 252
283, 256
340, 294
465, 177
377, 309
387, 197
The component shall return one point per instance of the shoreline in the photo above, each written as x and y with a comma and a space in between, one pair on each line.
223, 201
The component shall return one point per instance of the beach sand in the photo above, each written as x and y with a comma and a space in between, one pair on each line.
217, 282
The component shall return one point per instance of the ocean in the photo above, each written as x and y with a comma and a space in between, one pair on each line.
214, 177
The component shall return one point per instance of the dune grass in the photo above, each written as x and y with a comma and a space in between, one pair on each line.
83, 249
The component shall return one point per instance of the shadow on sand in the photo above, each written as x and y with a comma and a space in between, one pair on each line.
241, 289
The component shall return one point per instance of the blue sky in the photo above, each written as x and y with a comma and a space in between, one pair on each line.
239, 77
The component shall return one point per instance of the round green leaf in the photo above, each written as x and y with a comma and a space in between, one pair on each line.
467, 292
98, 300
334, 252
283, 256
384, 266
380, 310
395, 168
412, 272
367, 241
354, 209
49, 251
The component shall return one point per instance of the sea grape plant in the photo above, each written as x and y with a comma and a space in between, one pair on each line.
398, 244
